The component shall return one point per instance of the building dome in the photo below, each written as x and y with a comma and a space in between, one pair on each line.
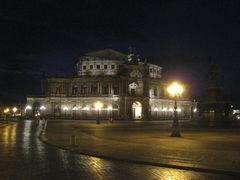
102, 62
109, 62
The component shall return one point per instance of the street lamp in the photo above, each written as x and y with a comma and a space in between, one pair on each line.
98, 106
175, 90
42, 109
14, 109
14, 112
27, 108
6, 111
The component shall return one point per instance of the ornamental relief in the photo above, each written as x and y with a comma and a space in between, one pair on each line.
136, 73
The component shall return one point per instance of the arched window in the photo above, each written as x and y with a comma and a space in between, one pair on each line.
58, 89
74, 90
105, 89
105, 106
115, 89
132, 88
115, 106
85, 107
84, 89
93, 89
155, 91
74, 108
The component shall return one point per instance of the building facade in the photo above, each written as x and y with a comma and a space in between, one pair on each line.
126, 87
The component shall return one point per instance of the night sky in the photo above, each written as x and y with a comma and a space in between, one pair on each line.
46, 36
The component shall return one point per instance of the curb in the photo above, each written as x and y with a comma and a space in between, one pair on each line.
43, 138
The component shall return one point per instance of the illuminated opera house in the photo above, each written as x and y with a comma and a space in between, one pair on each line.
125, 87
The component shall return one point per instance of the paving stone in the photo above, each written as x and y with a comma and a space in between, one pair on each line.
23, 157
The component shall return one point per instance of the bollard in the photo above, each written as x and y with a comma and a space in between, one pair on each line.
73, 140
6, 119
45, 124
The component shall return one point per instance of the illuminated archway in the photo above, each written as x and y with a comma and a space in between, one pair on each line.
137, 110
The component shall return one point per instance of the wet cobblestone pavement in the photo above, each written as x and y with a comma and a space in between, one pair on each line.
23, 156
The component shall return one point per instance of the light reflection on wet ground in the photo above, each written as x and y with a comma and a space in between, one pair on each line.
23, 156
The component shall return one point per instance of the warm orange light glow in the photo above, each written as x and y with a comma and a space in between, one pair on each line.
42, 108
65, 108
86, 108
175, 89
6, 110
15, 109
75, 108
98, 105
109, 108
28, 107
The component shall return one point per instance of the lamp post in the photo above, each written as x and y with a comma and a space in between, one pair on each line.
27, 108
98, 106
14, 112
6, 111
175, 90
42, 109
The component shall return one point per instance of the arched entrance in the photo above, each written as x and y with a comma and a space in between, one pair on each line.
137, 110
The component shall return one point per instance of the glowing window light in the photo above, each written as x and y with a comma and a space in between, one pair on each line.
109, 108
179, 109
98, 105
155, 109
164, 109
170, 109
86, 108
65, 108
75, 108
28, 107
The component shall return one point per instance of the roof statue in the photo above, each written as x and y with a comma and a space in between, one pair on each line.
132, 57
213, 73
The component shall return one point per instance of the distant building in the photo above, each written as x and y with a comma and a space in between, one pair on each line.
126, 87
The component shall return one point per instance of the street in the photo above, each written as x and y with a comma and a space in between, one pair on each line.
23, 156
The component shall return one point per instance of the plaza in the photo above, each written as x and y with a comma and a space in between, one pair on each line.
24, 156
150, 143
